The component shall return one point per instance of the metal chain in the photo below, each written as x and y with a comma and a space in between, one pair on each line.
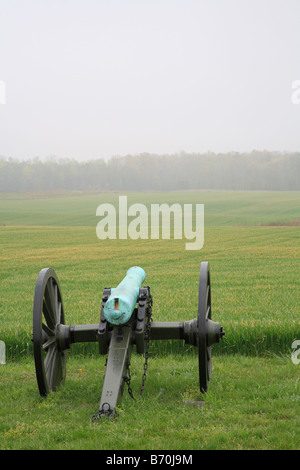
106, 411
147, 338
127, 378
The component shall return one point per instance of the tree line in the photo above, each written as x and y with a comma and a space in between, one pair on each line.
256, 170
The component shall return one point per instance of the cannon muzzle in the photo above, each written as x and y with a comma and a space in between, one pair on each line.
122, 301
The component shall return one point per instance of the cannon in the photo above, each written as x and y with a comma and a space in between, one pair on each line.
125, 321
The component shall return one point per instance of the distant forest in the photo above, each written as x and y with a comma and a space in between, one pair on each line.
257, 170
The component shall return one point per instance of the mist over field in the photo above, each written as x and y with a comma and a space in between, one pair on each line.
276, 171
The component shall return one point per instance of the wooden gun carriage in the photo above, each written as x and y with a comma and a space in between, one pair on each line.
125, 321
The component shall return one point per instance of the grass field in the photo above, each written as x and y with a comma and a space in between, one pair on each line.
252, 244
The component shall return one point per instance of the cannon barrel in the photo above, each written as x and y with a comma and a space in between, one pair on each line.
122, 301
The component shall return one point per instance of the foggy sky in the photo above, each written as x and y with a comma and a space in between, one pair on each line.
90, 79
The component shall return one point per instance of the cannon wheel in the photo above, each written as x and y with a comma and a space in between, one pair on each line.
204, 313
48, 313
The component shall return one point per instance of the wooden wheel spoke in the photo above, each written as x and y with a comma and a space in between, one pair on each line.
207, 312
47, 330
207, 295
50, 303
49, 359
51, 367
48, 314
60, 369
58, 306
49, 342
59, 312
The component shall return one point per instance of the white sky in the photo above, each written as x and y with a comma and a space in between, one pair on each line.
89, 79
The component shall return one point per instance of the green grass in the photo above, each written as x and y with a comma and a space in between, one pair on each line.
253, 399
75, 208
251, 404
254, 271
